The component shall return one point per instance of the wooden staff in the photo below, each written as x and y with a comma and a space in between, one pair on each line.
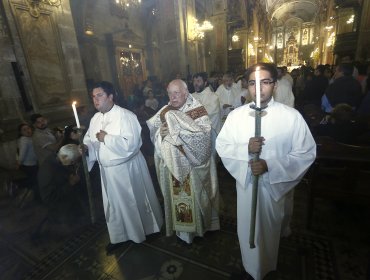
252, 229
87, 178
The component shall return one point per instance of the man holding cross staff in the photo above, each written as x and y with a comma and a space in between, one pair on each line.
270, 155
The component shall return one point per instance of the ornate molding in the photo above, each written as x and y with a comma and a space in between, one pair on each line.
34, 6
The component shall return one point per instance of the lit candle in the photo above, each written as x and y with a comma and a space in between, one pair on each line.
258, 87
75, 113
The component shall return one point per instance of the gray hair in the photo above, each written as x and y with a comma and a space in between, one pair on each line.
69, 154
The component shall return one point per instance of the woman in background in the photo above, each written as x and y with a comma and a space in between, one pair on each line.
27, 161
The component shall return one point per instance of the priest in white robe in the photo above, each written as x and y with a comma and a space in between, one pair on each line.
283, 92
287, 149
229, 96
211, 102
181, 133
208, 99
131, 207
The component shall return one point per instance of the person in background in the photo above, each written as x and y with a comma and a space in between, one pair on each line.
151, 101
62, 188
364, 108
341, 125
344, 89
45, 142
315, 89
287, 76
244, 93
229, 95
208, 99
27, 160
70, 135
283, 90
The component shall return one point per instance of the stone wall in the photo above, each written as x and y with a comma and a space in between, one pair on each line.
41, 43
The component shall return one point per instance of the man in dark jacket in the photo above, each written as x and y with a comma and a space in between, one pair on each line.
344, 89
315, 89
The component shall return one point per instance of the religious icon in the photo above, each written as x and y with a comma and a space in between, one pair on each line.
280, 41
305, 37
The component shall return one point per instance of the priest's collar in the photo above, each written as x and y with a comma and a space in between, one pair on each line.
188, 102
110, 109
270, 103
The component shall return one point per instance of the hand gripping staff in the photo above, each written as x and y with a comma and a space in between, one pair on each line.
257, 133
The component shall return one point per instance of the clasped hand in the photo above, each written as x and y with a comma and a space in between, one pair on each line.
259, 166
163, 131
255, 144
100, 135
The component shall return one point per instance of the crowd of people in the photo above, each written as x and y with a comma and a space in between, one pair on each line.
183, 131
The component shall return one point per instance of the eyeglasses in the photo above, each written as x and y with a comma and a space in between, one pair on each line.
264, 82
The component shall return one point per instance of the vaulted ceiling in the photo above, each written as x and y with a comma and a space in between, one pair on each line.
283, 10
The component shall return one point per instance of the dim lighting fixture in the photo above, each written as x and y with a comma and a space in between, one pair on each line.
197, 31
351, 19
128, 61
331, 39
125, 4
235, 38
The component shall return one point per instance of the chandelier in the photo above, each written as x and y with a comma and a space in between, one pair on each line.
235, 38
197, 31
125, 4
35, 5
130, 62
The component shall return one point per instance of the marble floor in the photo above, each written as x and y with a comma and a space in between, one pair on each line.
337, 246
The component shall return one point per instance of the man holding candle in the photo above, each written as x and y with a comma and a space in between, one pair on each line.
131, 207
286, 148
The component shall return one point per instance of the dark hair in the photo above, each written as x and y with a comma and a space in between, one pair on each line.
269, 67
346, 68
34, 117
202, 75
67, 135
20, 128
321, 68
342, 113
107, 87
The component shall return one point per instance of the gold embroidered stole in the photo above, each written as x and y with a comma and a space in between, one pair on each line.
182, 194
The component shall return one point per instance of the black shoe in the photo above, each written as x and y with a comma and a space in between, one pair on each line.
110, 248
241, 276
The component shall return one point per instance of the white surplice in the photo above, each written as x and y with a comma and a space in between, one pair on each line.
229, 96
211, 102
131, 207
289, 149
284, 93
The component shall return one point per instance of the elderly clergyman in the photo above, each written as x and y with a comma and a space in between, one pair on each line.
181, 133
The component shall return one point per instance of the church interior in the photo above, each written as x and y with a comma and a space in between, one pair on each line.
53, 51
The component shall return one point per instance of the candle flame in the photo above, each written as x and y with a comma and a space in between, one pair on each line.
74, 103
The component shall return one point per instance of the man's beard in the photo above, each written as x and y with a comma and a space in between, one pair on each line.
200, 88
